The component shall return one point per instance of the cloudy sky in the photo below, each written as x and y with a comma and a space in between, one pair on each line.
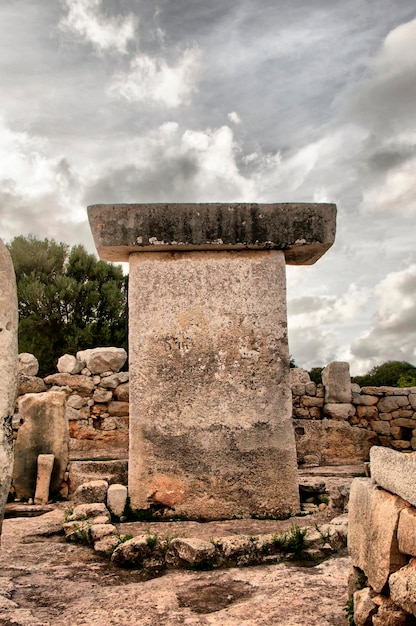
107, 101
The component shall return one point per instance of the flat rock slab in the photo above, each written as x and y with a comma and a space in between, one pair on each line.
394, 471
36, 565
303, 231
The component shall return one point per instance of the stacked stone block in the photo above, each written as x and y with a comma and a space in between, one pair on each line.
381, 540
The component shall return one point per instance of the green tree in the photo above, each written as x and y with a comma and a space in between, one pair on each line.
316, 375
68, 300
391, 374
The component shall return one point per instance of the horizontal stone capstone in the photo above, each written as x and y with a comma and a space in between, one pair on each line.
303, 231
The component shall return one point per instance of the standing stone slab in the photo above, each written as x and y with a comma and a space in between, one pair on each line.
210, 402
372, 526
44, 431
211, 433
337, 382
394, 471
8, 370
43, 480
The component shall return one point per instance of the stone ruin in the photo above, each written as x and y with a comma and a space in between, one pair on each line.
211, 433
8, 370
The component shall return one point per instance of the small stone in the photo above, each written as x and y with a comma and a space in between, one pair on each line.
28, 364
69, 364
93, 491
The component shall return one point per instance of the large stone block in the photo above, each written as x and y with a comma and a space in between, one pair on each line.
372, 525
344, 444
337, 382
303, 231
403, 587
8, 370
210, 401
44, 431
100, 360
85, 471
395, 471
406, 533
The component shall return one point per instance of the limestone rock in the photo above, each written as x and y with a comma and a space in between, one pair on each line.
28, 364
43, 480
44, 431
116, 499
100, 360
90, 511
395, 472
86, 471
364, 607
391, 615
193, 550
403, 587
118, 408
8, 370
122, 392
93, 491
406, 532
30, 384
114, 380
102, 395
99, 531
69, 364
107, 545
392, 403
299, 375
337, 382
77, 382
372, 523
340, 411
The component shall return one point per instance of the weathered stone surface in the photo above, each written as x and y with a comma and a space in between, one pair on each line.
117, 499
8, 370
299, 376
69, 364
210, 402
337, 382
102, 395
101, 360
406, 532
122, 392
30, 384
372, 526
392, 403
342, 444
364, 607
43, 480
118, 408
93, 491
392, 615
380, 427
75, 402
99, 531
85, 471
341, 411
77, 382
193, 550
113, 381
90, 511
303, 231
28, 364
44, 431
364, 400
395, 472
106, 545
403, 587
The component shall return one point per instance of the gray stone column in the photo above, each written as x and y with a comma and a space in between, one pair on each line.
211, 433
8, 371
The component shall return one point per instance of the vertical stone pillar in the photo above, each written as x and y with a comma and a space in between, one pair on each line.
8, 371
211, 433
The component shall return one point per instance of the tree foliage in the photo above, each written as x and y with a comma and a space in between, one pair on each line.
315, 375
391, 374
68, 300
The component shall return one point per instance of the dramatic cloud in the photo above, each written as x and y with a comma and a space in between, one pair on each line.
152, 79
176, 101
87, 22
393, 329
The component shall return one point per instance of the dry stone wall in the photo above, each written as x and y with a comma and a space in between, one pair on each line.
382, 540
334, 424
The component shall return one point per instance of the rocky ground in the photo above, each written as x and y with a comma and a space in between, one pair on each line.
46, 581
